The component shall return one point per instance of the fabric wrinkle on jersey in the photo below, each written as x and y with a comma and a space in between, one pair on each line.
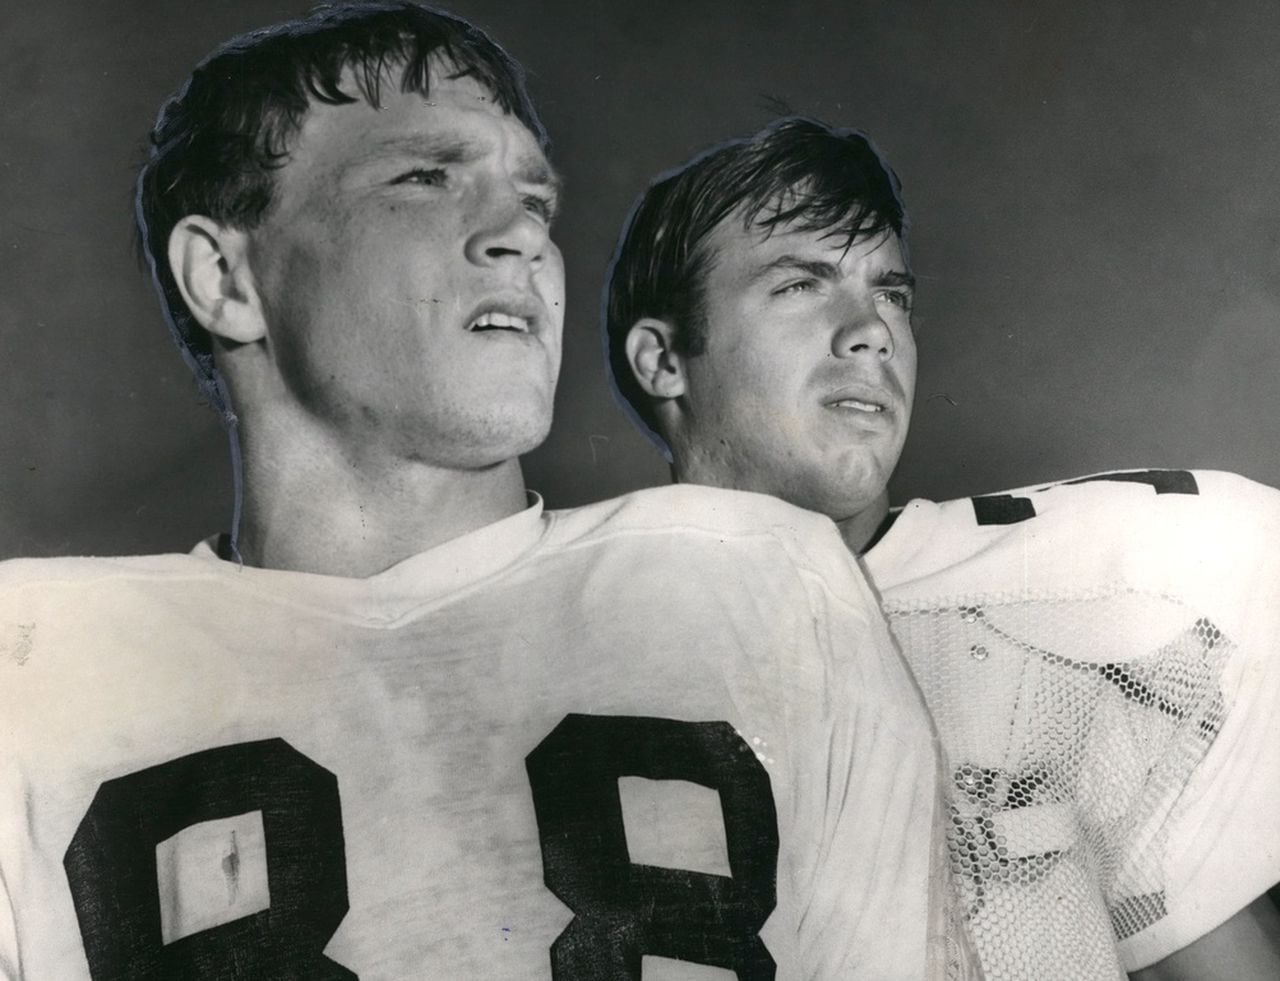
493, 754
1100, 658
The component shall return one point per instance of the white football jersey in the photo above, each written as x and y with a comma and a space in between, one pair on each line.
664, 737
1102, 659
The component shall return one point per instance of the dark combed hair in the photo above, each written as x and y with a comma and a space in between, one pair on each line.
219, 139
796, 172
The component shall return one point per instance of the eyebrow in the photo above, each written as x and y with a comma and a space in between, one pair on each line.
453, 148
817, 268
895, 277
822, 269
535, 169
445, 148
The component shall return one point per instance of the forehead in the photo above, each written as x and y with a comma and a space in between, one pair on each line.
459, 114
737, 248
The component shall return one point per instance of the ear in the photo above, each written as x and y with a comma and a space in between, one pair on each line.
210, 265
653, 358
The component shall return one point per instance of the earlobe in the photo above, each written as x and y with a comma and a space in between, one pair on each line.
209, 264
654, 362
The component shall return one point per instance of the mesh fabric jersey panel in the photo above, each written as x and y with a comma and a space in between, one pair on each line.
1098, 657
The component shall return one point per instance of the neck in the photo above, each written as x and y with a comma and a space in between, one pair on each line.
859, 529
310, 505
691, 467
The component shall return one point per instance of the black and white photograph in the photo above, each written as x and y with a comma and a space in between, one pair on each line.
774, 489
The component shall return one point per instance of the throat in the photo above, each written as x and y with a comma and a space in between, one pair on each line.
357, 526
864, 529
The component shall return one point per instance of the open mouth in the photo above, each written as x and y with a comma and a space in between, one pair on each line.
499, 320
857, 405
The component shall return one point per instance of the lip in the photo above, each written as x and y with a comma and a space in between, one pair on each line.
858, 398
522, 305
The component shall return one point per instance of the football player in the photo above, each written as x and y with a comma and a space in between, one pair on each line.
1098, 654
402, 723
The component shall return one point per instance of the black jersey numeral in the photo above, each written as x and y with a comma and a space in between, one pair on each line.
111, 868
1005, 509
1162, 481
625, 910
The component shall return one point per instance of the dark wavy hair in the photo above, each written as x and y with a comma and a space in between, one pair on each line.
796, 172
219, 139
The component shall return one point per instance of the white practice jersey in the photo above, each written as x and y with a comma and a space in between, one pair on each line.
663, 737
1102, 659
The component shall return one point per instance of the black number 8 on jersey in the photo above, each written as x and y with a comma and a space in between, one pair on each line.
623, 910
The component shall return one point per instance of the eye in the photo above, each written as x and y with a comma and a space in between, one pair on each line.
540, 206
796, 286
426, 176
898, 298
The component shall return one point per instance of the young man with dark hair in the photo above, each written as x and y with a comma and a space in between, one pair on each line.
1098, 654
401, 723
739, 225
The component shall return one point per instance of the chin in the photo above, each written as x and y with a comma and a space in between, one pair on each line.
484, 433
861, 491
528, 430
503, 443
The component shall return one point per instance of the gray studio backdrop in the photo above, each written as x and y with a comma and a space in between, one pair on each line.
1095, 190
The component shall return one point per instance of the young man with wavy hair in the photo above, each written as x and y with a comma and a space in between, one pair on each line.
401, 723
1098, 654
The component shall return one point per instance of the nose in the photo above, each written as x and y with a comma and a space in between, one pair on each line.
862, 332
506, 231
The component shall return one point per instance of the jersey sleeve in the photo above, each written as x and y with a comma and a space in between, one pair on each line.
1222, 845
880, 906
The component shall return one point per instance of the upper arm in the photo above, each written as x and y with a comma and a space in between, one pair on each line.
1245, 948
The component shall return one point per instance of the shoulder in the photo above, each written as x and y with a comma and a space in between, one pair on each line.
57, 613
32, 589
1183, 517
89, 570
773, 581
1122, 502
1164, 528
1174, 494
704, 529
691, 508
705, 518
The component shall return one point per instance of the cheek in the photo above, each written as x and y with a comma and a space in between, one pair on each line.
756, 400
905, 352
762, 360
721, 390
305, 261
908, 373
550, 280
764, 424
553, 267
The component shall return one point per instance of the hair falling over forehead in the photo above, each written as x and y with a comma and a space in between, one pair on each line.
218, 141
797, 173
